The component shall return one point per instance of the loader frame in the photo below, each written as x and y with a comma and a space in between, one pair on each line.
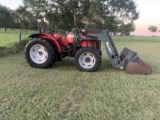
103, 35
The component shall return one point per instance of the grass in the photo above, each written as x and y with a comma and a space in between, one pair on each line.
9, 41
137, 38
12, 36
13, 48
63, 92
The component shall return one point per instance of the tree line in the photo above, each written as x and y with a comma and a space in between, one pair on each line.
117, 16
153, 29
17, 19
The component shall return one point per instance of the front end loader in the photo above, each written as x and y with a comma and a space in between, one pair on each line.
85, 46
127, 60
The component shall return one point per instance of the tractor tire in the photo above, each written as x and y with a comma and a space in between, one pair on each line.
39, 53
87, 59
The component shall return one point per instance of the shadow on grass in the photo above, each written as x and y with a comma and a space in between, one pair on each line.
67, 64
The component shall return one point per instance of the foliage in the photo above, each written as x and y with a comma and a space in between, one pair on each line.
15, 19
152, 29
115, 15
25, 19
5, 17
63, 92
13, 48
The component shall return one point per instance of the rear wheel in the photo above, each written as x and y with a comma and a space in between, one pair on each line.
88, 59
39, 53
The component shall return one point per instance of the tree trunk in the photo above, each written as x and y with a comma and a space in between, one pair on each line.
5, 29
74, 17
20, 36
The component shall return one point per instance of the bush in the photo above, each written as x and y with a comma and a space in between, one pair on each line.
13, 48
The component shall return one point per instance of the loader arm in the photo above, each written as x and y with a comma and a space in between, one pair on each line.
127, 60
109, 46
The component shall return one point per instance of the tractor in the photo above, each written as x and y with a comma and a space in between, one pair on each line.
85, 46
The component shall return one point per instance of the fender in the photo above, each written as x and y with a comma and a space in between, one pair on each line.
48, 37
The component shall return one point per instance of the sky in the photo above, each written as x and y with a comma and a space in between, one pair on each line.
149, 15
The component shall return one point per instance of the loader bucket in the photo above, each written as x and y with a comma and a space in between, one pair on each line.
133, 64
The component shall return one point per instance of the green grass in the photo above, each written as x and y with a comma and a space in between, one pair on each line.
136, 38
9, 41
63, 92
12, 36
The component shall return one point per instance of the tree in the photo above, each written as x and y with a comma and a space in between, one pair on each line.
14, 23
24, 18
102, 14
152, 29
116, 15
125, 29
5, 17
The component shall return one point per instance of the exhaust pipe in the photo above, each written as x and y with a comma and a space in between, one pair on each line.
133, 64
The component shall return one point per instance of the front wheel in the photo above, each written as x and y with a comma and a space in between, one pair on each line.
40, 53
87, 59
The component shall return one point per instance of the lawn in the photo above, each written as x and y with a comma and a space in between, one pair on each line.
137, 38
63, 92
12, 36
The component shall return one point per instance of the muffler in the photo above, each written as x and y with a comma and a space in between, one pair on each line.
133, 64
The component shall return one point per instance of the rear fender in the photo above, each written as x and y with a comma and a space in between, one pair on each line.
48, 37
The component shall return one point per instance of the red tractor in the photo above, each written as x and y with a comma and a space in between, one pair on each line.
85, 46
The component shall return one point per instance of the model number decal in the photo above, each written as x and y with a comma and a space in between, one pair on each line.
108, 47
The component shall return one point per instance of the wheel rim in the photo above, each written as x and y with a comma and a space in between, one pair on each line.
38, 53
87, 60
